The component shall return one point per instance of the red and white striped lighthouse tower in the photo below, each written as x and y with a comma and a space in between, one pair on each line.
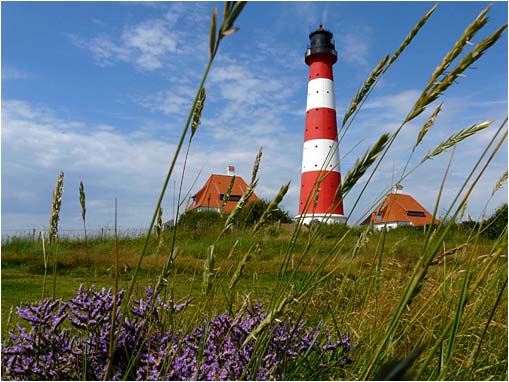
320, 159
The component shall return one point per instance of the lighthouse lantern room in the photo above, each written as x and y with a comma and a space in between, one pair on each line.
321, 178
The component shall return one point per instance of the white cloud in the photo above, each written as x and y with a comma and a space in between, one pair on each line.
152, 43
9, 73
354, 48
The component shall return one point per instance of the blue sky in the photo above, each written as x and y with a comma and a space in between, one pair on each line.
101, 90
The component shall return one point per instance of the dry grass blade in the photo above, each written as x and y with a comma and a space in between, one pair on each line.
411, 35
55, 208
226, 196
450, 252
197, 110
208, 271
457, 138
271, 207
430, 122
364, 90
361, 166
500, 183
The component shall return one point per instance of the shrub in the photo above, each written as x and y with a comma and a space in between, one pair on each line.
496, 223
253, 211
201, 219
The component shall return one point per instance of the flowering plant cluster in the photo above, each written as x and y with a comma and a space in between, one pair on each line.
70, 340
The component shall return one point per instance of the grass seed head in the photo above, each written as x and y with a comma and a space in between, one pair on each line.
430, 122
198, 110
435, 87
55, 208
456, 138
361, 166
411, 35
366, 86
256, 165
271, 207
228, 192
82, 201
500, 183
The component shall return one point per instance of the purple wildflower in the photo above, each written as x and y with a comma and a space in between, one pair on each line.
70, 340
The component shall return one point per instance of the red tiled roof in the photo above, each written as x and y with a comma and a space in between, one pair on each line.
400, 208
216, 185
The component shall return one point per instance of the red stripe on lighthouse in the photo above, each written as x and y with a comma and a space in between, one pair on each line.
322, 68
327, 189
321, 124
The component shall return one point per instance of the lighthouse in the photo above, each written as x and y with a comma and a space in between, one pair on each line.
321, 177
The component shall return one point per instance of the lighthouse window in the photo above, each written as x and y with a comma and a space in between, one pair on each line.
316, 146
317, 91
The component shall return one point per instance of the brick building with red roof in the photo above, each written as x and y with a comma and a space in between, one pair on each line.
399, 210
210, 196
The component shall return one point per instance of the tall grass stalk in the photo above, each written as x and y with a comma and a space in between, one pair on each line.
83, 218
53, 225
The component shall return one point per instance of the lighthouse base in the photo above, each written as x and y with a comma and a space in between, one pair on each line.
322, 218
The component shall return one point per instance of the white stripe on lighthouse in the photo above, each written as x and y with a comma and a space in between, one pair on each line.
320, 94
320, 154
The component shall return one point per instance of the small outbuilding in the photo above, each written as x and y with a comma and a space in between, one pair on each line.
210, 197
399, 210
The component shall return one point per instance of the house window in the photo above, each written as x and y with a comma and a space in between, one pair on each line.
232, 198
415, 213
379, 215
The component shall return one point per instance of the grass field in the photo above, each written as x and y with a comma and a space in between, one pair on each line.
359, 294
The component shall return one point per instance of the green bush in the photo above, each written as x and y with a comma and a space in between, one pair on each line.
253, 211
200, 219
495, 225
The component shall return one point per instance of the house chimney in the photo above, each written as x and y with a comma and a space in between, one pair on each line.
230, 170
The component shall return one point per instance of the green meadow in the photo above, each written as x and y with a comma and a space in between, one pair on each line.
359, 285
